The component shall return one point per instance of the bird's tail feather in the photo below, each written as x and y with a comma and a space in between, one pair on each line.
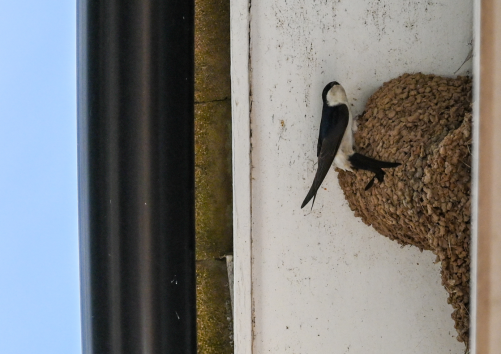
311, 194
362, 162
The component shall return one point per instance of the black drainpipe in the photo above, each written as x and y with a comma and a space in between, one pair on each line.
136, 176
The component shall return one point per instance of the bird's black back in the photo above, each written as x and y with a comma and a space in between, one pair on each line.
332, 127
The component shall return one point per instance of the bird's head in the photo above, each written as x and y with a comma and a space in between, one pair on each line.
334, 94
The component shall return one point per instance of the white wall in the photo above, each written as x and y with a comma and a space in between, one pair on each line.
322, 281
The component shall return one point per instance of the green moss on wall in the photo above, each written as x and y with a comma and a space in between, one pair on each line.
213, 179
213, 308
212, 50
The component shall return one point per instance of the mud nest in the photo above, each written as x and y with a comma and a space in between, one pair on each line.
423, 122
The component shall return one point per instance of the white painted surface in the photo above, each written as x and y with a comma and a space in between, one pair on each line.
474, 179
242, 305
322, 281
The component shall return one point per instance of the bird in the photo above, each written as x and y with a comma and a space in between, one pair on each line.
336, 142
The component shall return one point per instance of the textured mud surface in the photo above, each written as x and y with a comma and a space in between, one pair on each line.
423, 122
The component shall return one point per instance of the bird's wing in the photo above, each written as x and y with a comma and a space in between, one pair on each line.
328, 145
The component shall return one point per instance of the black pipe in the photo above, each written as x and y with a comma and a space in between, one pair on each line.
136, 175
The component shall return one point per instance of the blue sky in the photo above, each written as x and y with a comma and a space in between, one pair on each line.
39, 285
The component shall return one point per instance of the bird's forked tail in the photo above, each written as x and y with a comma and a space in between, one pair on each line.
362, 162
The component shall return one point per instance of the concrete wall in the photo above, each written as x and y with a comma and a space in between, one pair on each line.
322, 281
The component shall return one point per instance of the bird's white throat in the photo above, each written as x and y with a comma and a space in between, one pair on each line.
336, 95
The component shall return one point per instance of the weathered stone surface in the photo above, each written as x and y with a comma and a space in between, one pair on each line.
213, 179
213, 308
212, 50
